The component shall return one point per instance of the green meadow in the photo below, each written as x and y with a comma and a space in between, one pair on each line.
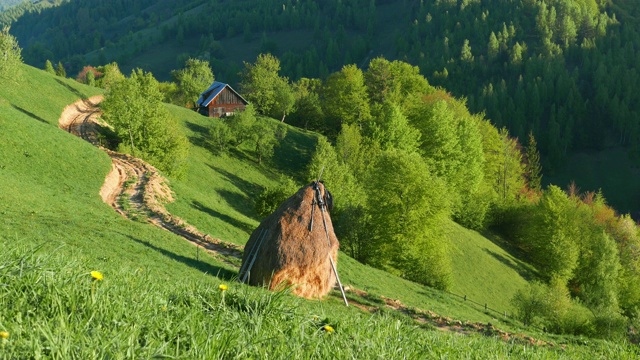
161, 298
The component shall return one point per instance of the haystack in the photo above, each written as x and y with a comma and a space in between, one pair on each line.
291, 252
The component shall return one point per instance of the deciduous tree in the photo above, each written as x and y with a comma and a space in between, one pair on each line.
407, 205
345, 99
146, 129
270, 93
193, 79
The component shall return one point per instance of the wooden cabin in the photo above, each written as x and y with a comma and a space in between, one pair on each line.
220, 100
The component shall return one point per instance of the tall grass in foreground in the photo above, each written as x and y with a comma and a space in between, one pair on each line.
51, 307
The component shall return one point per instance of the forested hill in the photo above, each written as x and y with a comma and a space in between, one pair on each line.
5, 4
564, 69
11, 10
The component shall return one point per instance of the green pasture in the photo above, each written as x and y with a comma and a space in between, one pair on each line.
160, 298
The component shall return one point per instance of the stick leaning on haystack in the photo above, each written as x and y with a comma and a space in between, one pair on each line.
287, 250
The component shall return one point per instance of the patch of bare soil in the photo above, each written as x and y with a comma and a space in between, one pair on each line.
134, 188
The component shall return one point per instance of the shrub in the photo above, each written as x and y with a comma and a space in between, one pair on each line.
270, 199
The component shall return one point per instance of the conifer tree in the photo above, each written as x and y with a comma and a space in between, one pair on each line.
533, 169
48, 67
465, 53
493, 48
60, 71
10, 55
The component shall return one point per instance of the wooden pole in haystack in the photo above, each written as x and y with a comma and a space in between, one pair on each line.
318, 199
253, 255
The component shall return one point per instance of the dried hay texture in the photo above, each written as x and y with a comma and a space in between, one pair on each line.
290, 254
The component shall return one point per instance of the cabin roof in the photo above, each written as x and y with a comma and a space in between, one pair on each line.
213, 91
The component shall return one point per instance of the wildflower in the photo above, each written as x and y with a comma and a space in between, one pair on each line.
97, 275
328, 328
223, 287
164, 308
4, 334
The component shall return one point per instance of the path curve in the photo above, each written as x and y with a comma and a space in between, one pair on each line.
134, 188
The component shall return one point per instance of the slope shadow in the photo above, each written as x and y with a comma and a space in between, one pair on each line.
239, 201
518, 266
243, 185
70, 88
518, 255
293, 155
196, 128
29, 114
196, 264
248, 228
199, 133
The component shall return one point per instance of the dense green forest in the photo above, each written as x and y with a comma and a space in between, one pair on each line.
11, 11
563, 69
5, 4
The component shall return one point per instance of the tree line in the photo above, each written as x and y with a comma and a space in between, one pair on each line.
562, 69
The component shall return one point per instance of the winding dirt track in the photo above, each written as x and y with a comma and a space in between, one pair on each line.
134, 188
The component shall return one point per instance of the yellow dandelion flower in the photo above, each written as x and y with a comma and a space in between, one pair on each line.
223, 287
4, 334
164, 308
97, 275
328, 328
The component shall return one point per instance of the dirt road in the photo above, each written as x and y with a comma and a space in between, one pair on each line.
134, 188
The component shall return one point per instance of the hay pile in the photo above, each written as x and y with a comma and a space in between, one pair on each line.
289, 253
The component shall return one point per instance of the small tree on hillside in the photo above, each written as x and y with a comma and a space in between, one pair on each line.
48, 67
264, 138
270, 93
10, 55
111, 75
133, 107
60, 71
193, 79
88, 75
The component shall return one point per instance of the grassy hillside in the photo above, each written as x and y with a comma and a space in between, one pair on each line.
49, 183
217, 196
159, 297
485, 272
